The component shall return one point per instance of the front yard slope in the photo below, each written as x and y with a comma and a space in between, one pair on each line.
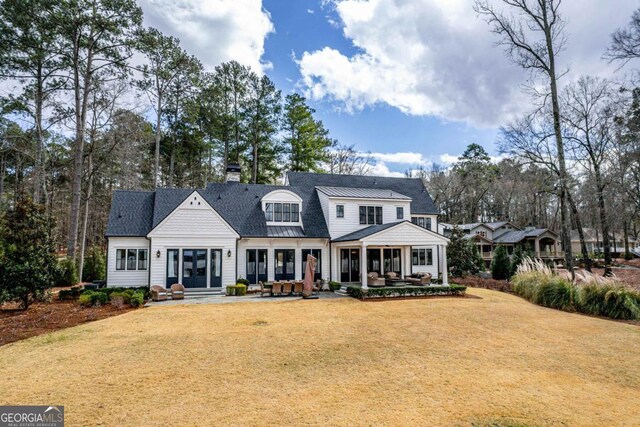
494, 360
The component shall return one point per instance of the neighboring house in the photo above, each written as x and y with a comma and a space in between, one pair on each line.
206, 238
593, 242
539, 242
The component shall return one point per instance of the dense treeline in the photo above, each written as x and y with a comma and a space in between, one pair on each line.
96, 103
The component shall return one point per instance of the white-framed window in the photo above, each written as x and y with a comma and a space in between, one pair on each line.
421, 256
282, 212
370, 215
399, 212
339, 211
421, 221
482, 233
132, 259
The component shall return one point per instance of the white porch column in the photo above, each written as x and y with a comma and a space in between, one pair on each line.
363, 266
445, 273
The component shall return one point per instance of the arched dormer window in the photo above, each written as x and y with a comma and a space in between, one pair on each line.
282, 207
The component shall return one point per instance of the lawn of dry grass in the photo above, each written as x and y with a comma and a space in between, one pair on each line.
452, 361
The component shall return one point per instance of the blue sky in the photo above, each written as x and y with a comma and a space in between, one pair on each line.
412, 81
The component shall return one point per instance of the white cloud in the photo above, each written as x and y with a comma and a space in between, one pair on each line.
437, 58
310, 11
215, 31
403, 158
381, 169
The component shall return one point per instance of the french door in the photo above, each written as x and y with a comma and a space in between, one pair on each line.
216, 268
194, 268
257, 265
317, 254
349, 265
285, 260
392, 260
173, 257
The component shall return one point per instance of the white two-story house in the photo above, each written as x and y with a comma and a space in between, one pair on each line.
207, 238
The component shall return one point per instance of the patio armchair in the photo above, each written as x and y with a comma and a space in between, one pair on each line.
264, 290
286, 288
375, 281
158, 293
177, 291
276, 289
297, 288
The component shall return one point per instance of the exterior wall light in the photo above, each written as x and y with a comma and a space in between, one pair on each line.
158, 254
229, 253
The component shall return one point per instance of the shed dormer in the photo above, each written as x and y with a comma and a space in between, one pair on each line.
282, 207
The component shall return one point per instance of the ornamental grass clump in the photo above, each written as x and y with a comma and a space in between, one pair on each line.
594, 295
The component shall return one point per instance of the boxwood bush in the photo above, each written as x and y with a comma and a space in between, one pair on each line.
134, 297
405, 291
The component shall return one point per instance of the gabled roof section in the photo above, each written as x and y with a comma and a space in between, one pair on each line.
362, 193
421, 202
131, 213
240, 205
517, 235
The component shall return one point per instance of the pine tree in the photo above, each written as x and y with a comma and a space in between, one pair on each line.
462, 256
306, 139
500, 264
516, 260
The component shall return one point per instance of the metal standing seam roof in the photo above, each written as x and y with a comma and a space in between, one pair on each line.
362, 193
285, 231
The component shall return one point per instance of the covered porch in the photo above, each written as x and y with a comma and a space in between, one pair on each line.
388, 252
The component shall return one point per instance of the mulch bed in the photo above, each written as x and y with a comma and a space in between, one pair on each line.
418, 297
479, 282
42, 318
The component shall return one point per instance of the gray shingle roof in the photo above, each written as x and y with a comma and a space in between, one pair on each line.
362, 193
136, 213
131, 213
517, 235
421, 202
366, 232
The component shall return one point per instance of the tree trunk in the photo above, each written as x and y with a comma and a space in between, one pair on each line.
85, 221
566, 227
604, 223
38, 167
81, 100
3, 169
254, 172
625, 235
583, 246
156, 165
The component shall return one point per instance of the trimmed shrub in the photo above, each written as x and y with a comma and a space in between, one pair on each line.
137, 299
70, 294
85, 300
500, 265
241, 289
68, 273
243, 282
405, 291
334, 286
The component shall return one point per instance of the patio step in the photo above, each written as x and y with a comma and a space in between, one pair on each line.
202, 293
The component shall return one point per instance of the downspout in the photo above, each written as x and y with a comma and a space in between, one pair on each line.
236, 263
106, 270
330, 261
149, 266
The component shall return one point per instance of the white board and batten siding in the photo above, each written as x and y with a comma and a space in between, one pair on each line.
351, 221
126, 278
283, 243
193, 225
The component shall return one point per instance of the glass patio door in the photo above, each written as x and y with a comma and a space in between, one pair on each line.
256, 265
216, 268
317, 254
285, 260
349, 265
194, 268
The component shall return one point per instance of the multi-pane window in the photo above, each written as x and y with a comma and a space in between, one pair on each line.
339, 211
399, 212
422, 257
421, 221
121, 256
282, 212
370, 215
132, 259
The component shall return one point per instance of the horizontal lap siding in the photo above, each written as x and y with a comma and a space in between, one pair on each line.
271, 244
351, 221
126, 278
